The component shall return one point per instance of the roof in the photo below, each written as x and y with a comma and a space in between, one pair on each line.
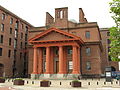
12, 14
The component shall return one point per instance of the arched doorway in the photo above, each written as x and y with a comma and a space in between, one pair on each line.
1, 70
113, 68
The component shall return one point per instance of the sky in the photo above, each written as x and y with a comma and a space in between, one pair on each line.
34, 11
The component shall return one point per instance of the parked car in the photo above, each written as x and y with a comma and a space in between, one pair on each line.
118, 77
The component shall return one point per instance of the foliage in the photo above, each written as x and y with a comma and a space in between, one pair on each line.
115, 31
18, 79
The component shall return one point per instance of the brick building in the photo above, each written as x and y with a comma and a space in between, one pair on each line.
13, 44
63, 48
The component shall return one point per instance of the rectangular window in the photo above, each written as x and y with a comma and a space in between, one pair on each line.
16, 33
69, 51
87, 34
15, 52
11, 21
25, 37
44, 65
1, 39
88, 65
15, 43
9, 53
3, 16
108, 33
26, 29
2, 27
21, 35
108, 41
70, 65
16, 25
10, 41
10, 30
0, 51
21, 45
20, 56
88, 51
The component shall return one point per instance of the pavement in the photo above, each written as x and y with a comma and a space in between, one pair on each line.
65, 85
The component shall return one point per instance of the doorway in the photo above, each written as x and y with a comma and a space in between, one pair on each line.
1, 70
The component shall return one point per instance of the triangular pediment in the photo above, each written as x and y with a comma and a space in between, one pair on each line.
53, 34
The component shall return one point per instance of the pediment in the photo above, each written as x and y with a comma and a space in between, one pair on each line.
53, 34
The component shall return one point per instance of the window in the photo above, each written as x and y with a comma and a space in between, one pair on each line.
16, 33
1, 39
88, 65
9, 41
15, 43
108, 41
56, 51
69, 51
44, 51
22, 26
11, 21
0, 51
2, 27
108, 49
3, 16
45, 65
16, 24
88, 51
109, 58
9, 53
25, 37
87, 34
20, 56
26, 29
21, 35
10, 30
108, 33
15, 52
21, 45
70, 65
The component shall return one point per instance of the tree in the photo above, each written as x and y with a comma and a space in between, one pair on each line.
115, 31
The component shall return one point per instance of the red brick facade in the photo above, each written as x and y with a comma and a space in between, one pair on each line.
92, 60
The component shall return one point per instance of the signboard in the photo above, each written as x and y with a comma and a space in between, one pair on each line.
108, 74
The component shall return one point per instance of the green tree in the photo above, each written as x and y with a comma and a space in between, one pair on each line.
115, 31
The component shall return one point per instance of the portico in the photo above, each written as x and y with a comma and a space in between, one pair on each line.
47, 46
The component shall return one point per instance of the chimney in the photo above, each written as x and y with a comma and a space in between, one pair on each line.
81, 16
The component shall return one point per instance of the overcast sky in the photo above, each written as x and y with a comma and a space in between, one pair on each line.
34, 11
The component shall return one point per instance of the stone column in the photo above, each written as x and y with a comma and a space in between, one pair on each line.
76, 62
47, 60
35, 61
61, 60
40, 61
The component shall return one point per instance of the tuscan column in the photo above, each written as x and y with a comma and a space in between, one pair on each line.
47, 60
51, 61
75, 61
40, 62
35, 61
79, 64
61, 58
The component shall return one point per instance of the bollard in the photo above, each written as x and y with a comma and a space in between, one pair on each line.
50, 83
70, 83
97, 83
60, 83
104, 83
116, 82
32, 82
88, 83
27, 82
111, 82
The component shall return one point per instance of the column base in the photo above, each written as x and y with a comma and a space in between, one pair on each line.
75, 72
34, 76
